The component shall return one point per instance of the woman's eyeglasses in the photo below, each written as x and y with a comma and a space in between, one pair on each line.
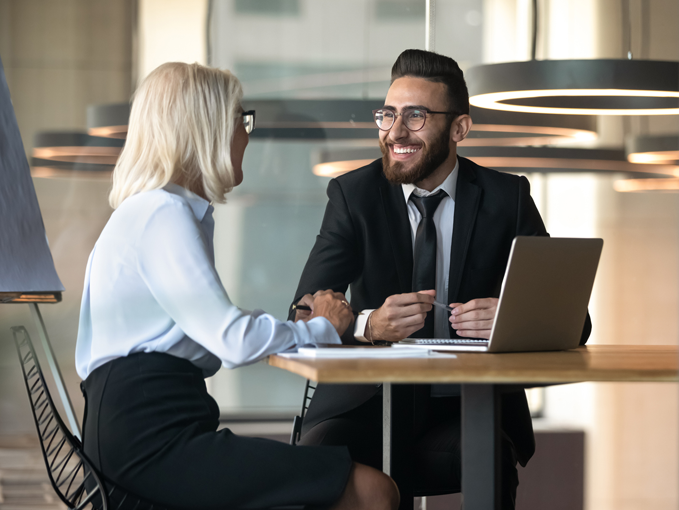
413, 118
249, 121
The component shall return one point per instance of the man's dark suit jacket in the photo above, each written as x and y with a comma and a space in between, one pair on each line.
366, 243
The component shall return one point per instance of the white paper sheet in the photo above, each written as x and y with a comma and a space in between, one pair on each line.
362, 353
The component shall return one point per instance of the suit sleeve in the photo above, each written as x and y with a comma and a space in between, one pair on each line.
529, 223
334, 261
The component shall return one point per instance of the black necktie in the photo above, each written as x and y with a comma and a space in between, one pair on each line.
424, 259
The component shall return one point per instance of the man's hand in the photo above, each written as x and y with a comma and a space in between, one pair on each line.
334, 307
400, 316
474, 319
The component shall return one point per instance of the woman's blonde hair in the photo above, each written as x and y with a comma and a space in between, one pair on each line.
181, 126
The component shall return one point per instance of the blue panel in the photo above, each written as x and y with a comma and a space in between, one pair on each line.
26, 263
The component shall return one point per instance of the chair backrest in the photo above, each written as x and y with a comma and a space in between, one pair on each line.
68, 469
72, 475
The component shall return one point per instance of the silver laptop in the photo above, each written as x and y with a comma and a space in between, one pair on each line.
543, 301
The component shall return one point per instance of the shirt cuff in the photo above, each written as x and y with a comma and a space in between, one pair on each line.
321, 331
361, 324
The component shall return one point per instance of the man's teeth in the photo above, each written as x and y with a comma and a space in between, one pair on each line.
404, 150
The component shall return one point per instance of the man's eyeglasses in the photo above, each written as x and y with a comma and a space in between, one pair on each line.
413, 118
249, 121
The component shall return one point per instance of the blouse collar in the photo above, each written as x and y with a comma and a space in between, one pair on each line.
198, 205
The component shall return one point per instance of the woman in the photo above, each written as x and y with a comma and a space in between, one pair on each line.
155, 320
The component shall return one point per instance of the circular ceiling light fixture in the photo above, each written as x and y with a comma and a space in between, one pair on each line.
668, 185
74, 154
333, 163
315, 119
580, 87
108, 120
653, 149
493, 128
562, 159
512, 160
348, 119
285, 119
577, 87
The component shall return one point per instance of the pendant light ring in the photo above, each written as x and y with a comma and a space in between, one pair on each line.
577, 87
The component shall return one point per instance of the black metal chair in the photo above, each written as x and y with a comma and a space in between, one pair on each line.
73, 477
299, 420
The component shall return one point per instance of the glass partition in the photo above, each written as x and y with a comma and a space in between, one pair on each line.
303, 50
60, 60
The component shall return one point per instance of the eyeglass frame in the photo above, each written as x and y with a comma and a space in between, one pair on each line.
405, 110
249, 113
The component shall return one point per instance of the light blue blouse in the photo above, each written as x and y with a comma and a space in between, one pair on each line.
151, 286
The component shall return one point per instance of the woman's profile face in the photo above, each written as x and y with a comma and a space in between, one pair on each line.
240, 141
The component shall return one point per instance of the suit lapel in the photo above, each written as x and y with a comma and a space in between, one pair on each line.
398, 225
467, 200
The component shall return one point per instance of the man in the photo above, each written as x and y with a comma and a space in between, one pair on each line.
418, 226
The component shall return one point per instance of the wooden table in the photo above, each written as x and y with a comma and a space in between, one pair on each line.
483, 377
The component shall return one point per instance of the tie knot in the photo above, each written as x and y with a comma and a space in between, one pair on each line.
427, 205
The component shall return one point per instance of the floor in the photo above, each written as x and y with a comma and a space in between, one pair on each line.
23, 478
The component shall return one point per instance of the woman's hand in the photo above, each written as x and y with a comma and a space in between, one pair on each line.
334, 307
304, 315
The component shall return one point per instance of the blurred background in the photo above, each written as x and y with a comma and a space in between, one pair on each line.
65, 59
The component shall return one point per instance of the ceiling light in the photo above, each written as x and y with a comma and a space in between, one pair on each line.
561, 159
333, 163
340, 119
108, 120
497, 128
351, 119
511, 159
646, 185
71, 154
315, 119
577, 87
653, 149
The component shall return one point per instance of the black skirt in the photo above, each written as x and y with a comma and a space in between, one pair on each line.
151, 427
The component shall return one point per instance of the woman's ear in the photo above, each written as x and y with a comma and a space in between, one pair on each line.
460, 128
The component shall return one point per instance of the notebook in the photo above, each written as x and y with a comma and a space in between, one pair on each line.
543, 301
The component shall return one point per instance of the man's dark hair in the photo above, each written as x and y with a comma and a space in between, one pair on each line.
437, 68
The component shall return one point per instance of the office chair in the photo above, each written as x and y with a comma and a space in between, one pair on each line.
299, 420
72, 475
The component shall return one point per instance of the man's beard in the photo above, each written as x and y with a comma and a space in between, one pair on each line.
433, 158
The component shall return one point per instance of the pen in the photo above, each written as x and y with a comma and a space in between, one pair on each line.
441, 305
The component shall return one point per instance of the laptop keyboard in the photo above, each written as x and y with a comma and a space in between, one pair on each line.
451, 341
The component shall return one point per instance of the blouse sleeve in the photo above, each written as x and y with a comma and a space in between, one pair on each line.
174, 262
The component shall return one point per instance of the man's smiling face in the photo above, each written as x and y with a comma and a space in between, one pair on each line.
411, 156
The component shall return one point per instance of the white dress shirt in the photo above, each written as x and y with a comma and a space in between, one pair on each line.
443, 219
151, 286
